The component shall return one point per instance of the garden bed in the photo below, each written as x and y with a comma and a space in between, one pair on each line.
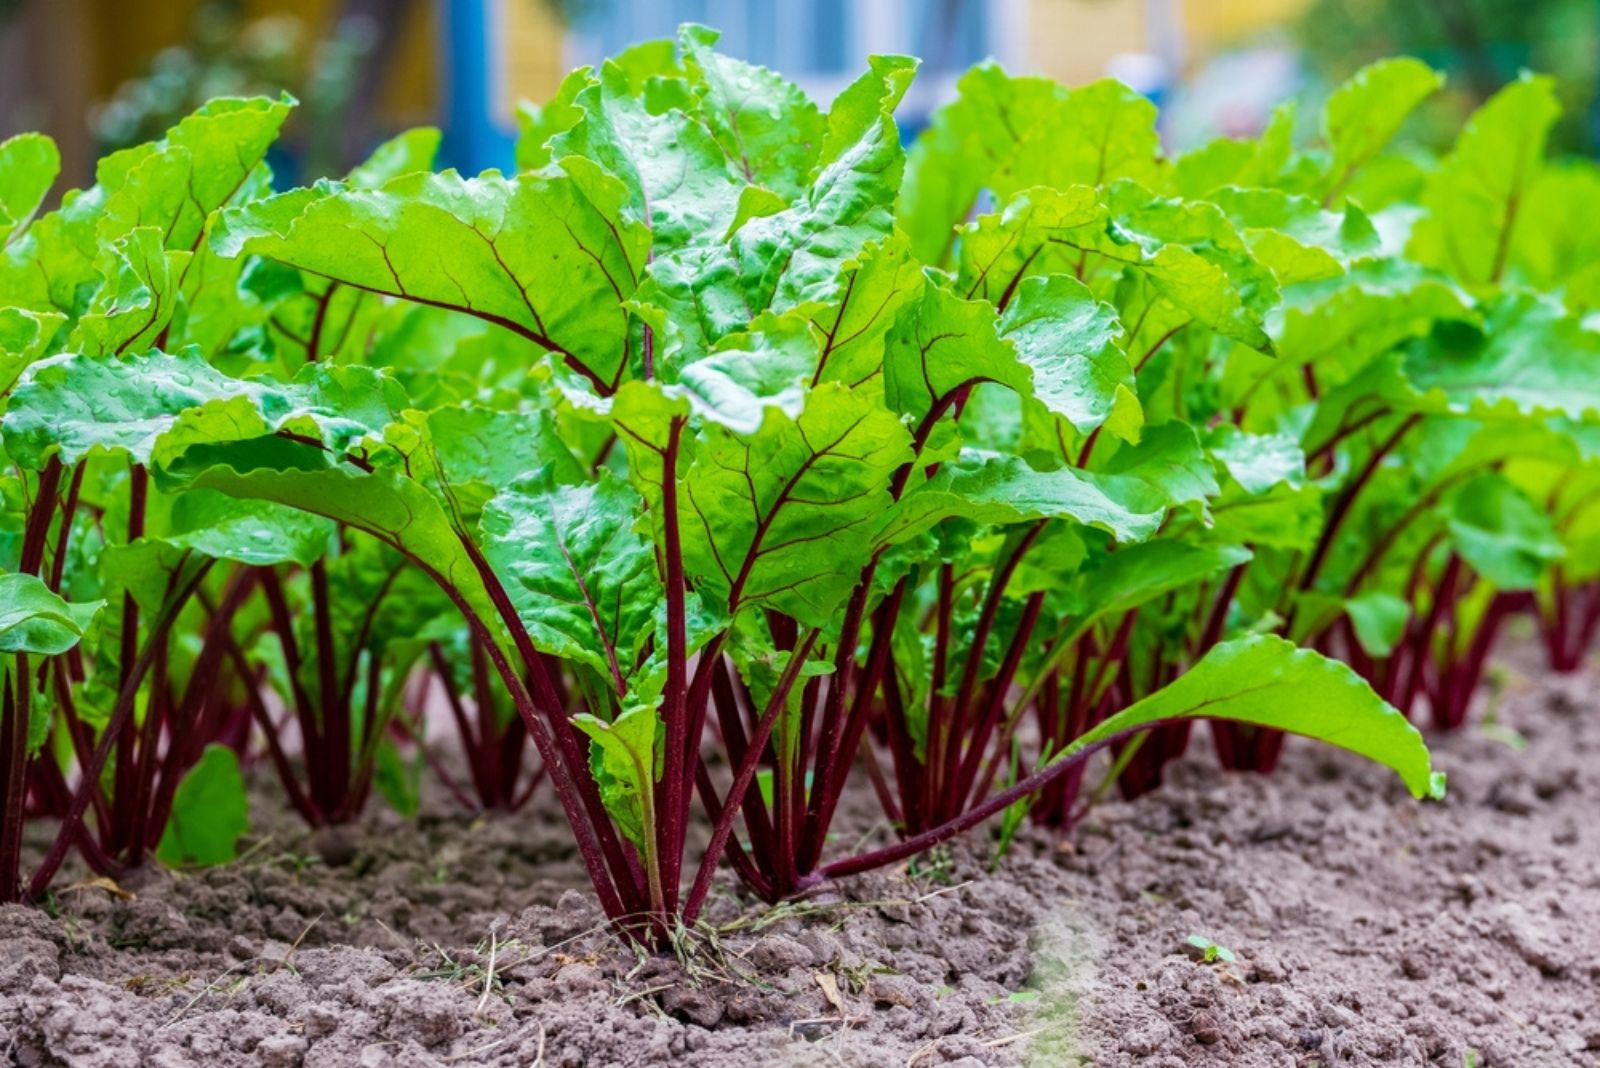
1367, 928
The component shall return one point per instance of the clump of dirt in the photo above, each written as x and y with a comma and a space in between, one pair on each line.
1365, 929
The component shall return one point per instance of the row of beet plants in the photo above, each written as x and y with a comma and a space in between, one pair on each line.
731, 450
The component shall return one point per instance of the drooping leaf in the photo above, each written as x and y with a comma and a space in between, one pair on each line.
1004, 489
35, 620
155, 405
1265, 681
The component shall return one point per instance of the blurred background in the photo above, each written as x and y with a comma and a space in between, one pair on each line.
102, 74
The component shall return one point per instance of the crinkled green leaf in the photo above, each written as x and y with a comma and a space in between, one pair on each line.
778, 518
153, 406
1069, 341
792, 259
1005, 134
1004, 489
765, 124
1296, 239
679, 181
581, 577
538, 253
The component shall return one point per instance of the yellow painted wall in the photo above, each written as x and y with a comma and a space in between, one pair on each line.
1072, 40
533, 55
1211, 23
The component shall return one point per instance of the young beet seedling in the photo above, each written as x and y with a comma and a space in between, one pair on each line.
1208, 952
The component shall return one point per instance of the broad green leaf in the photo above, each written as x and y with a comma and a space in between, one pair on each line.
1501, 533
770, 365
1529, 358
1284, 517
795, 258
471, 449
765, 124
405, 153
250, 532
679, 182
50, 266
1005, 134
1137, 574
1265, 681
1557, 244
1257, 462
390, 507
778, 518
155, 405
1039, 231
1473, 198
1170, 460
35, 620
1296, 239
176, 183
582, 578
1004, 489
942, 343
1379, 620
1068, 340
29, 164
1364, 113
537, 254
210, 812
24, 337
878, 283
538, 124
139, 298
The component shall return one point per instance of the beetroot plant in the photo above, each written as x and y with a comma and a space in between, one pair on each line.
730, 453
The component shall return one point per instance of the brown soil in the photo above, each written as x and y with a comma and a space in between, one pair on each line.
1367, 929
